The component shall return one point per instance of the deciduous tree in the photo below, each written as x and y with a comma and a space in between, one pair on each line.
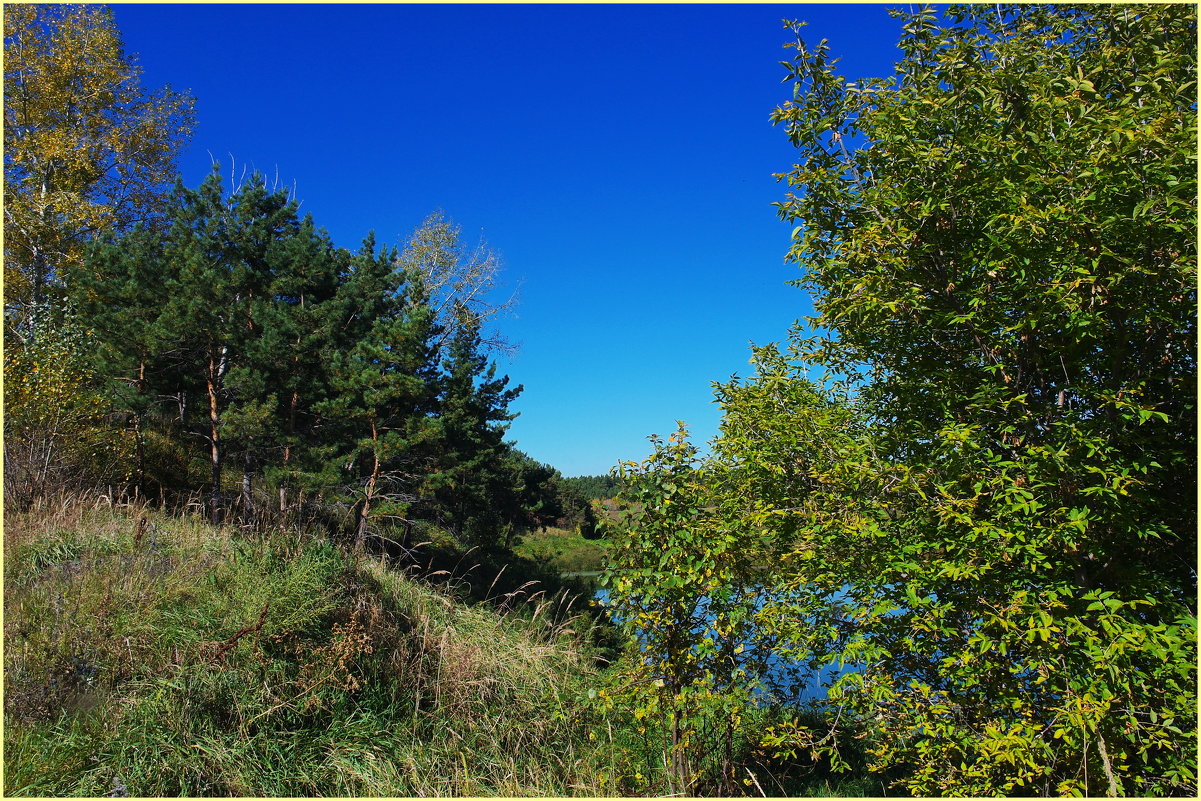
460, 280
685, 581
86, 148
1001, 243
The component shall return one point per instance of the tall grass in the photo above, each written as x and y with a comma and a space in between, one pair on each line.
149, 655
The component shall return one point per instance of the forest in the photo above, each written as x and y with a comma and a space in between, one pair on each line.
264, 534
234, 334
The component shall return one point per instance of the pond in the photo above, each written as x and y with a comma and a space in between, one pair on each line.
808, 685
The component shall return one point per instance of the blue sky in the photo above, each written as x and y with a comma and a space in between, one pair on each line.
619, 157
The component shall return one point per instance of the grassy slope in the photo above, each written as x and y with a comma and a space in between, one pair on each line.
173, 658
563, 550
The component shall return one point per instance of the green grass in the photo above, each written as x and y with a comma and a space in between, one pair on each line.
188, 661
562, 550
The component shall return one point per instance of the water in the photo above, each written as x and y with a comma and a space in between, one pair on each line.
788, 681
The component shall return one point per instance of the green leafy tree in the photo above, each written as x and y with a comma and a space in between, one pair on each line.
1001, 243
56, 436
86, 150
286, 271
685, 580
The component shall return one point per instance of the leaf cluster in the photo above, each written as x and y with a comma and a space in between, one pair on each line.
86, 148
1001, 241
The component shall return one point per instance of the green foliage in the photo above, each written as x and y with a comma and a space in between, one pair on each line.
382, 389
972, 480
684, 583
594, 488
475, 484
243, 336
194, 313
563, 550
55, 433
224, 330
1001, 243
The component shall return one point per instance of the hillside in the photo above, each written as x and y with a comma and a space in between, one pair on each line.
148, 655
277, 518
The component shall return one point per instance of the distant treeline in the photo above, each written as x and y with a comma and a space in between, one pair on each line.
594, 488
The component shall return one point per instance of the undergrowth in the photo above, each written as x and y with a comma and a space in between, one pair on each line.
150, 655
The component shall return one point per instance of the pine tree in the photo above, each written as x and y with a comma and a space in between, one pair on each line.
119, 296
196, 308
381, 387
264, 234
299, 334
474, 412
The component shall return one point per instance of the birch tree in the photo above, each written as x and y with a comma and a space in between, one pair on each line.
86, 148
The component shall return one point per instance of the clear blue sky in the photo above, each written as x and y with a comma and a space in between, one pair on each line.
619, 157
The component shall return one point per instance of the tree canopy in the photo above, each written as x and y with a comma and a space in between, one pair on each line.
86, 148
238, 336
973, 474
